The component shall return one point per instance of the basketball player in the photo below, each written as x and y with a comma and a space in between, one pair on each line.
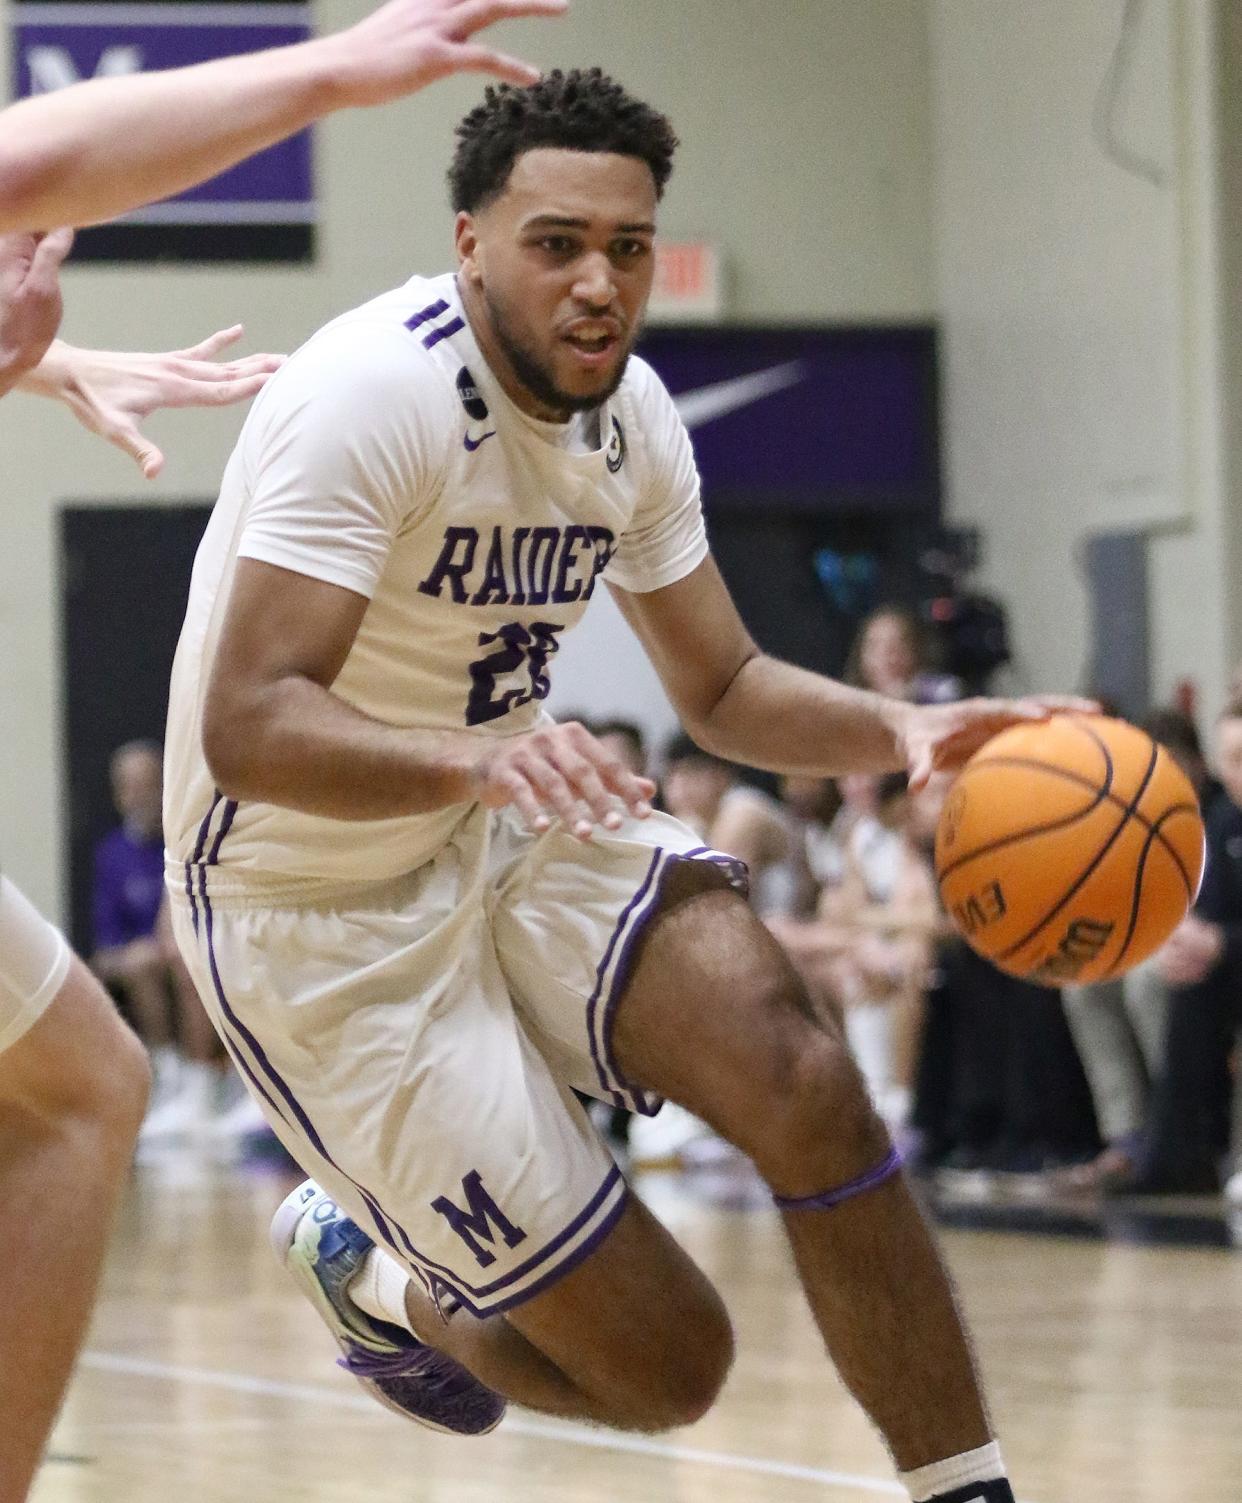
73, 1079
421, 912
105, 146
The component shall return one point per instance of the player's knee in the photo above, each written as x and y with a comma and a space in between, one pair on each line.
130, 1081
684, 1383
816, 1120
107, 1081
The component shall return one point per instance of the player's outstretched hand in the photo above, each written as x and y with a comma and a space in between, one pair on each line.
408, 44
562, 772
30, 301
940, 738
111, 394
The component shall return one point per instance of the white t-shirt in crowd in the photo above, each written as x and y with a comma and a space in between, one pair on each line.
385, 458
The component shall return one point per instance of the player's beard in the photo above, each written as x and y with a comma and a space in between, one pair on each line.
536, 375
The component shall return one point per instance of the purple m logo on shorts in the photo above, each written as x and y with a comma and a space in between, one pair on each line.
481, 1222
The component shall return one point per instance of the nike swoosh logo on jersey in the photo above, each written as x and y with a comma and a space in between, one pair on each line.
707, 403
477, 443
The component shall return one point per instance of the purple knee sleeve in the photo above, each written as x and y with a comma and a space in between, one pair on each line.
826, 1199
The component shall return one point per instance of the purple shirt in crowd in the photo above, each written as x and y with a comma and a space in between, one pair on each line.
128, 887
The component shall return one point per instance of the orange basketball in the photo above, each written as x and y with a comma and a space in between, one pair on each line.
1069, 849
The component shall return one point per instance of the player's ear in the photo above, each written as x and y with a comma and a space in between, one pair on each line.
466, 238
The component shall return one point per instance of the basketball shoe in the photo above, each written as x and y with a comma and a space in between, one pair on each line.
323, 1250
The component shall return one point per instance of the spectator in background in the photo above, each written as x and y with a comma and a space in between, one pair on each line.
624, 739
998, 1084
890, 656
730, 815
867, 951
813, 808
136, 955
126, 893
1119, 1027
1202, 963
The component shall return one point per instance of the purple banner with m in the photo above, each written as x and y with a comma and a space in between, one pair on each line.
262, 209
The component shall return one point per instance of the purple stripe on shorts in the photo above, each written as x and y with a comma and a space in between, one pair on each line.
203, 829
189, 892
601, 970
242, 1062
226, 824
198, 855
425, 315
383, 1222
645, 1104
734, 872
454, 326
827, 1199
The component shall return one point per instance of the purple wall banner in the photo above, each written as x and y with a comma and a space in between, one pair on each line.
263, 208
835, 420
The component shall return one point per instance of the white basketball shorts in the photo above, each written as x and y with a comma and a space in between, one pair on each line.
414, 1042
34, 961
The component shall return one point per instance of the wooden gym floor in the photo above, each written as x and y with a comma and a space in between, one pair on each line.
1115, 1371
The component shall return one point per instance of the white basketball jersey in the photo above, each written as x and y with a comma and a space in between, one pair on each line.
385, 458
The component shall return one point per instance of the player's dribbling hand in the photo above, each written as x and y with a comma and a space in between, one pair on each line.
562, 772
30, 301
408, 44
111, 394
940, 738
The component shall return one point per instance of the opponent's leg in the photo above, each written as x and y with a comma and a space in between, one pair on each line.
72, 1094
715, 1018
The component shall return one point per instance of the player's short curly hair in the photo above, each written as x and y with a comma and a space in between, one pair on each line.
582, 110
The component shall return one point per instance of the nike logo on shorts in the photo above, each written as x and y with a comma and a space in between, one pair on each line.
475, 443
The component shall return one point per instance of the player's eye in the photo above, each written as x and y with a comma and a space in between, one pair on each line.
558, 245
629, 250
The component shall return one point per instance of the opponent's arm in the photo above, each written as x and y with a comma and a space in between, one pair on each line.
102, 147
111, 393
273, 730
747, 707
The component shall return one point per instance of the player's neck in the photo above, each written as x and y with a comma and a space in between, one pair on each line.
498, 362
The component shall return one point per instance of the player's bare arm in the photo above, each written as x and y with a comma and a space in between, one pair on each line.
111, 393
273, 730
104, 146
747, 707
30, 300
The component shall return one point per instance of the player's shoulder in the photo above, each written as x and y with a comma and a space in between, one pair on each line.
374, 351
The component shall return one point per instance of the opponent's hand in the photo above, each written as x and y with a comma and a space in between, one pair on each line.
30, 300
111, 394
562, 772
939, 738
408, 44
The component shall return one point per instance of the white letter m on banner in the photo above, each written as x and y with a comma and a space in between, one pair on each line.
55, 67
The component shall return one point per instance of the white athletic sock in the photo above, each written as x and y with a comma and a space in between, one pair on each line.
378, 1289
983, 1465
